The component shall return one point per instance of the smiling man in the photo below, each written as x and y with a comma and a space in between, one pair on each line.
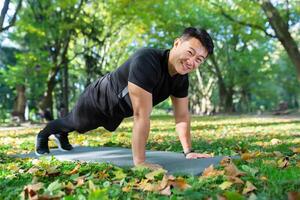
147, 78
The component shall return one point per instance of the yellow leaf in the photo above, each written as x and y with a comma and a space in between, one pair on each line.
225, 185
249, 187
295, 150
210, 171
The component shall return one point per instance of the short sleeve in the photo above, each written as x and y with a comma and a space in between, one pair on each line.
143, 71
180, 87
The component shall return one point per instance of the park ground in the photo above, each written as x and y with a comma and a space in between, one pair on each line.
268, 168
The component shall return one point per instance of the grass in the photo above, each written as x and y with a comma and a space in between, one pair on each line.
269, 141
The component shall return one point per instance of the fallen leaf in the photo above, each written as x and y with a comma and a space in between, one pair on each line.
225, 161
75, 170
179, 183
275, 141
295, 149
249, 187
166, 191
247, 156
69, 187
31, 191
225, 185
210, 171
234, 179
32, 170
80, 181
283, 163
232, 170
294, 196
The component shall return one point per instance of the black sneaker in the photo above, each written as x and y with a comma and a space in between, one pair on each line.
41, 145
63, 142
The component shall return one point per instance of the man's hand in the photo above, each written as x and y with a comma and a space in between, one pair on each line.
193, 155
151, 166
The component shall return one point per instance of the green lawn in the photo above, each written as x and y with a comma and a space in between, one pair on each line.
269, 167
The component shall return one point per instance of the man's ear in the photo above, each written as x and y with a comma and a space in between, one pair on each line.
176, 42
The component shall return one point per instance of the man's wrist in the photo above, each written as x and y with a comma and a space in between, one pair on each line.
188, 151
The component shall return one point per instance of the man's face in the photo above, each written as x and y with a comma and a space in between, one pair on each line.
187, 55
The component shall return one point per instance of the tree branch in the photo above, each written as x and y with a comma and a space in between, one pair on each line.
13, 20
255, 26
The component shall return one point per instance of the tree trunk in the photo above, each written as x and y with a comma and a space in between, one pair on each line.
46, 105
282, 33
19, 104
225, 92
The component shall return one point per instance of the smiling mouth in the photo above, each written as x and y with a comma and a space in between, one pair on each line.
185, 67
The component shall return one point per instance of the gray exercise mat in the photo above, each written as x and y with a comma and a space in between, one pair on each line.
171, 161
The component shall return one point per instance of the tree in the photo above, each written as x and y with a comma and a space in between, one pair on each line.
4, 15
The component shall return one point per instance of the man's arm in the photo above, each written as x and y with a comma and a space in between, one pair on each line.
142, 105
182, 120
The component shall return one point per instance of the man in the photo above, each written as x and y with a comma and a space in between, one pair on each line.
147, 78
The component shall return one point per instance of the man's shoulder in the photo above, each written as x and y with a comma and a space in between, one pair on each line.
148, 51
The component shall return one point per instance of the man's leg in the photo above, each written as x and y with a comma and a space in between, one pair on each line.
60, 129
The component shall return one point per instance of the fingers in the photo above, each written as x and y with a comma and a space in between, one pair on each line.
197, 155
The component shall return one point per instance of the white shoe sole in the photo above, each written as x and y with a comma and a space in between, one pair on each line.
59, 144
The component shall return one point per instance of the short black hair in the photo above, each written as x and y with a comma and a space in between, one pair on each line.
200, 34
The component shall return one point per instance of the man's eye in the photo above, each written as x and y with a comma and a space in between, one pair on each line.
190, 52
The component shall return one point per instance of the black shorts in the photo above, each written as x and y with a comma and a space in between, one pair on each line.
95, 108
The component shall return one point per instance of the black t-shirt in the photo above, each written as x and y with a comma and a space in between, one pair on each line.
106, 101
148, 69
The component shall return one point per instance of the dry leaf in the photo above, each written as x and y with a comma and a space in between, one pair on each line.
225, 185
247, 156
232, 170
32, 170
294, 196
69, 188
210, 171
76, 169
283, 163
275, 141
179, 183
166, 191
295, 150
249, 187
234, 179
80, 181
225, 161
31, 191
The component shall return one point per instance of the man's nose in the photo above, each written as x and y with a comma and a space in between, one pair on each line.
191, 62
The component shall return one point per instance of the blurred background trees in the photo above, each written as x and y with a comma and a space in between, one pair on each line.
52, 49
